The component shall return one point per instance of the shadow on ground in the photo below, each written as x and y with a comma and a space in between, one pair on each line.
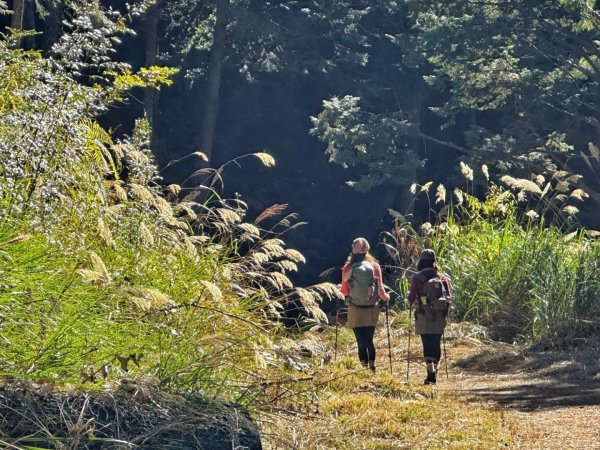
530, 380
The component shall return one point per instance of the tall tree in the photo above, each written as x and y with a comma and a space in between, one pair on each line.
213, 80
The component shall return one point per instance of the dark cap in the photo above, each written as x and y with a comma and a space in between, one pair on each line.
427, 255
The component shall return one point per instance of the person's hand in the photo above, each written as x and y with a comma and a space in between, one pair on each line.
383, 304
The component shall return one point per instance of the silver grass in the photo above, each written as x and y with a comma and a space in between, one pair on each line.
287, 266
440, 194
532, 215
294, 255
562, 186
466, 171
540, 180
485, 171
146, 234
459, 196
521, 183
570, 210
546, 190
579, 194
426, 186
213, 291
228, 216
265, 158
279, 281
105, 233
146, 299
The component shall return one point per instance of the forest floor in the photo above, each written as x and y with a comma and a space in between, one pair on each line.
554, 394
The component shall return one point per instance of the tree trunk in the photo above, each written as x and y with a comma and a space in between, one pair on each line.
213, 83
151, 50
16, 20
29, 23
53, 24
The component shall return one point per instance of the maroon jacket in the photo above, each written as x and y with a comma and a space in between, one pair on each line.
416, 284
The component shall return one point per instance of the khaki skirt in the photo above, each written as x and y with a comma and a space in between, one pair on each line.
362, 317
429, 325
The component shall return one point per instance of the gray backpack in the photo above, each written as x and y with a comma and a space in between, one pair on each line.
363, 284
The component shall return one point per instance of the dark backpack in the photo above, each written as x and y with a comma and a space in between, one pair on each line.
434, 298
363, 284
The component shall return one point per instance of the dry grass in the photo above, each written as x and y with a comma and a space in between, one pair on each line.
489, 400
344, 406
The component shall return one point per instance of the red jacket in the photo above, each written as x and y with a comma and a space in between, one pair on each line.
346, 276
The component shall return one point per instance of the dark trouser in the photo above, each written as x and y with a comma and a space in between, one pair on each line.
431, 347
366, 347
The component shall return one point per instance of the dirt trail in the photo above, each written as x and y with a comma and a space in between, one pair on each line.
556, 395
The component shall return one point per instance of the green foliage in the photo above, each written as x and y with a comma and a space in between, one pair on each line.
517, 261
349, 132
529, 66
105, 273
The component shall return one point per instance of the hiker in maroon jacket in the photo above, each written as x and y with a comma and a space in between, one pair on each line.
430, 312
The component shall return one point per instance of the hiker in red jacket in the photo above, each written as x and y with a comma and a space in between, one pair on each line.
430, 294
362, 286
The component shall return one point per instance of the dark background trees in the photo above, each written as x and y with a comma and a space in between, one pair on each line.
391, 92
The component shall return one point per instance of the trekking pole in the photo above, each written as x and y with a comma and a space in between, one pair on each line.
337, 322
408, 348
387, 324
445, 354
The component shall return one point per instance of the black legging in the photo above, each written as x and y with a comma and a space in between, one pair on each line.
364, 341
431, 347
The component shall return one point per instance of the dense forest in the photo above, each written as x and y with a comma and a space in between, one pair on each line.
391, 92
181, 182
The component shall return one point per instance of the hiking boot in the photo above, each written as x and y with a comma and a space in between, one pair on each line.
372, 366
430, 379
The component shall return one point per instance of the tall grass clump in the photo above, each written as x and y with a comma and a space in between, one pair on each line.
519, 261
107, 274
